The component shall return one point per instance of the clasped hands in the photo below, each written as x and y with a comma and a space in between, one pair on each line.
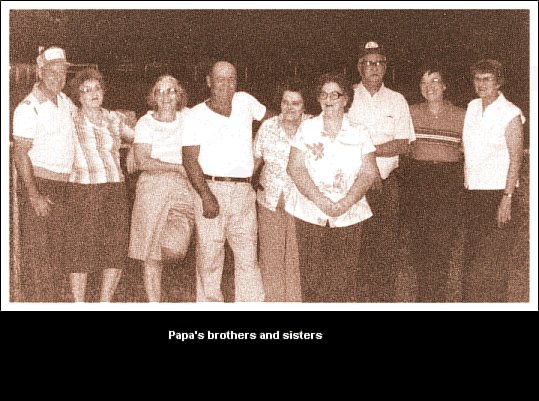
333, 209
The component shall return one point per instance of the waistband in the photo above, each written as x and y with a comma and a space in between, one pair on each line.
227, 179
46, 174
434, 163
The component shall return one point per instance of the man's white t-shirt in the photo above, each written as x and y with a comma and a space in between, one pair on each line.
226, 143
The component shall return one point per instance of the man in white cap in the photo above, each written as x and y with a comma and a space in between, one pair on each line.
44, 152
385, 112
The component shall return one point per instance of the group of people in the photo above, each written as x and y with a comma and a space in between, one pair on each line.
320, 224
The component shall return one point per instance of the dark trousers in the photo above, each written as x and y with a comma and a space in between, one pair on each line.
487, 248
42, 239
328, 262
379, 244
432, 206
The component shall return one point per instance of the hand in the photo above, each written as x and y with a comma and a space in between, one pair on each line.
130, 162
325, 205
210, 206
339, 208
41, 204
504, 211
129, 116
255, 183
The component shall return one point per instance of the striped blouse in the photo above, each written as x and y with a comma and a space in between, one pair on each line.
438, 137
97, 148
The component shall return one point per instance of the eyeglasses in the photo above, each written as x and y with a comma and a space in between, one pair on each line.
488, 78
89, 89
378, 63
332, 96
169, 91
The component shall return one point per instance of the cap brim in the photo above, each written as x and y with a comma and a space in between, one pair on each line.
373, 51
48, 63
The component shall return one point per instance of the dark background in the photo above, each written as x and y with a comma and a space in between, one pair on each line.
133, 47
268, 45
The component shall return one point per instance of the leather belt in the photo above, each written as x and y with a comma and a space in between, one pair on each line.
434, 163
227, 179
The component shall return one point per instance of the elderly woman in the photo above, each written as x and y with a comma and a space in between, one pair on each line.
332, 165
434, 189
98, 222
278, 253
163, 216
493, 143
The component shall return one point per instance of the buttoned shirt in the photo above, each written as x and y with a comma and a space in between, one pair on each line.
272, 143
333, 165
51, 129
387, 116
97, 148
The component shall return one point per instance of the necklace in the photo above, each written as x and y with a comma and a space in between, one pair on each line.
435, 113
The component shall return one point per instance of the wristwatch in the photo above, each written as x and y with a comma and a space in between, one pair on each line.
508, 194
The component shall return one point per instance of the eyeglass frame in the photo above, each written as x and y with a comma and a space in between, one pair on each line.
369, 63
168, 91
438, 81
91, 90
490, 78
335, 95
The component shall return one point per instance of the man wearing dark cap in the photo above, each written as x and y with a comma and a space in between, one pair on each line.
43, 152
385, 112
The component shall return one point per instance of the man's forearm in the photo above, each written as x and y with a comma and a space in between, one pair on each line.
392, 148
195, 173
26, 173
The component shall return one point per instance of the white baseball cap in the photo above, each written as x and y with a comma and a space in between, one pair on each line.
51, 55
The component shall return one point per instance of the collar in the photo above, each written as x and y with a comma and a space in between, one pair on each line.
40, 96
361, 88
345, 125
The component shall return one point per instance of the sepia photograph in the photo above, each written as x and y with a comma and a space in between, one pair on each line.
270, 158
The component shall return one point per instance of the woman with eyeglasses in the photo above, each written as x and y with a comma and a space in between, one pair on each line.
493, 149
163, 214
433, 191
98, 222
332, 165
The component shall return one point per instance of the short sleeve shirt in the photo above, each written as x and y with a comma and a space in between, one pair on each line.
226, 143
387, 116
51, 129
333, 165
164, 137
272, 144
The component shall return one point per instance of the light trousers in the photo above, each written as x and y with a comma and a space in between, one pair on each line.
237, 224
278, 255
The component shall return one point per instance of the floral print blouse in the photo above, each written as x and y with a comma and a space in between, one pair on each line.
273, 145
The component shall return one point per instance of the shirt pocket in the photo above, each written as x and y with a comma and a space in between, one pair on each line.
388, 126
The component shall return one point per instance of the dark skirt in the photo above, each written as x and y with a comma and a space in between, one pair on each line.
328, 262
433, 213
97, 227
